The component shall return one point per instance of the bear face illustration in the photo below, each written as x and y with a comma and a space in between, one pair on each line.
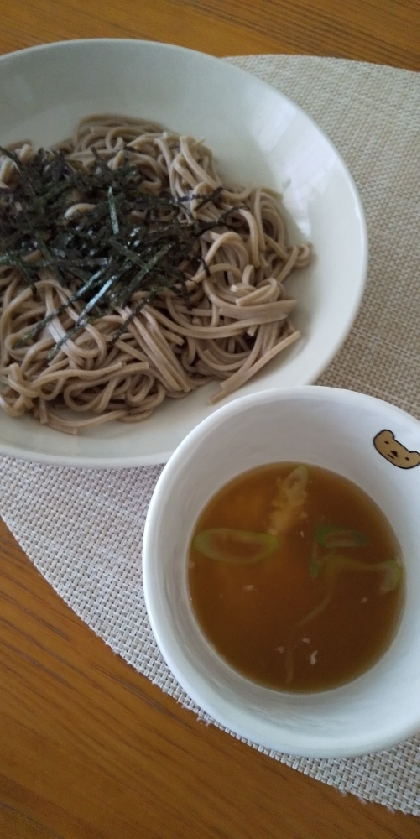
393, 451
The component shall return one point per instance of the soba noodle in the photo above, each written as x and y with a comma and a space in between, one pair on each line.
238, 320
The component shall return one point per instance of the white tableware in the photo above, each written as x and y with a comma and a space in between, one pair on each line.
258, 137
335, 429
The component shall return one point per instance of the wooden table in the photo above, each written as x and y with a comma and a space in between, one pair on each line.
89, 749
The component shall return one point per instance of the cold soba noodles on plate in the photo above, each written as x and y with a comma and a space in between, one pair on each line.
130, 273
295, 577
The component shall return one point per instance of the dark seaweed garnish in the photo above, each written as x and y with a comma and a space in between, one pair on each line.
105, 253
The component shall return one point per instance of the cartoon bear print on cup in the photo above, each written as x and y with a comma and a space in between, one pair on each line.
393, 451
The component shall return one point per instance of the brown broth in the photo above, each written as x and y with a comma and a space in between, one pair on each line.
256, 614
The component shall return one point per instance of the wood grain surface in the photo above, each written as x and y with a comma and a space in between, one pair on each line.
89, 749
382, 31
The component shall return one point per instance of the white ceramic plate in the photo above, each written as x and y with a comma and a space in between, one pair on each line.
258, 137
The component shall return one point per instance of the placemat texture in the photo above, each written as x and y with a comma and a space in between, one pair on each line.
83, 529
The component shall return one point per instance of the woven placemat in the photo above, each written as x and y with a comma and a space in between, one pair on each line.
83, 529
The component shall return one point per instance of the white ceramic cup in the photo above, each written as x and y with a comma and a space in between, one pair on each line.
327, 427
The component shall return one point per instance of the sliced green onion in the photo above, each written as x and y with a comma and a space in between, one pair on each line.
390, 569
315, 566
331, 536
392, 574
239, 547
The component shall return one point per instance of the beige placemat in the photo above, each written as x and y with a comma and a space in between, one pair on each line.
83, 529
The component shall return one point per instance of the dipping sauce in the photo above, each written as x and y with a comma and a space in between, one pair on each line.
296, 577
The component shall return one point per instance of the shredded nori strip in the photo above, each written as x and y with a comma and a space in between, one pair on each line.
105, 253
